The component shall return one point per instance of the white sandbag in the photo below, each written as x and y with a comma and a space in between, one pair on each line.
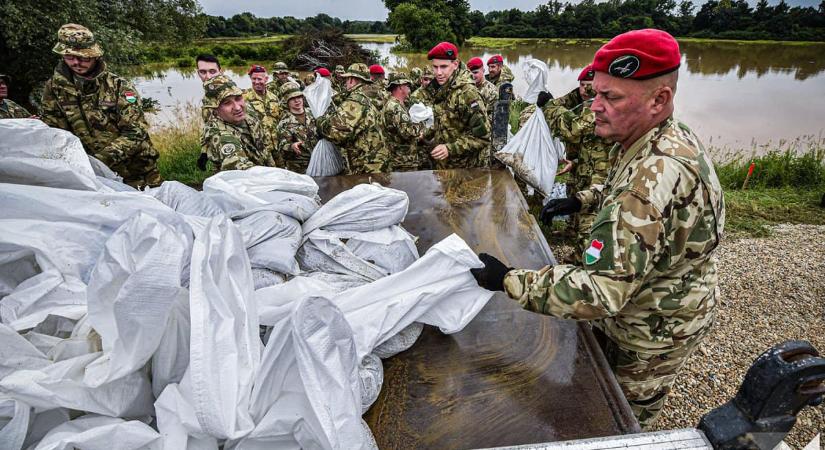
171, 359
392, 248
438, 290
532, 154
271, 240
337, 282
103, 171
371, 376
324, 251
538, 75
131, 293
225, 345
421, 113
297, 206
60, 385
32, 153
325, 160
319, 96
94, 432
307, 394
274, 302
185, 199
365, 207
14, 423
177, 421
237, 190
400, 342
42, 423
263, 278
17, 353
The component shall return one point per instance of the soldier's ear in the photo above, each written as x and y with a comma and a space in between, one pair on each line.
661, 98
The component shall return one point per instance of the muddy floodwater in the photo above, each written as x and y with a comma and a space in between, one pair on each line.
734, 95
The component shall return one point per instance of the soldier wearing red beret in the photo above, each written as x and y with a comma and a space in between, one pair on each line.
461, 133
487, 90
648, 282
498, 72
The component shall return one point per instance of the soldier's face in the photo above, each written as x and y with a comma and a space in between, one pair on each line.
622, 108
4, 90
232, 110
478, 75
79, 65
376, 77
586, 89
425, 81
283, 76
259, 81
296, 105
443, 69
208, 70
350, 82
494, 69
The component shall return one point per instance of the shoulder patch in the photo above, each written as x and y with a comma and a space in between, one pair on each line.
474, 105
227, 149
130, 96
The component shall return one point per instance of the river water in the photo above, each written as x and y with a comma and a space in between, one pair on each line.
735, 96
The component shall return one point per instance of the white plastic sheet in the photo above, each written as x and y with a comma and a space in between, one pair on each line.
238, 190
538, 75
319, 96
94, 432
365, 207
421, 113
325, 160
14, 423
185, 200
533, 154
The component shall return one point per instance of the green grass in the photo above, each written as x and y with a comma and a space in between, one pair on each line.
493, 42
380, 38
178, 143
751, 212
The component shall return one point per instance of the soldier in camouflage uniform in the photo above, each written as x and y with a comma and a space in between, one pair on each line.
9, 109
100, 108
232, 139
266, 105
488, 90
376, 90
498, 73
282, 76
649, 278
402, 134
415, 78
461, 132
355, 125
296, 130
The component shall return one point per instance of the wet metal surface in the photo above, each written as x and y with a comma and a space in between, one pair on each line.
509, 378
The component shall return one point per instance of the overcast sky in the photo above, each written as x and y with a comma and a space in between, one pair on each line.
364, 9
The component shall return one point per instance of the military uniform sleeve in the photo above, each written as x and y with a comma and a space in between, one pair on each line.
477, 134
568, 125
130, 124
284, 136
525, 115
398, 120
627, 236
569, 100
342, 124
52, 115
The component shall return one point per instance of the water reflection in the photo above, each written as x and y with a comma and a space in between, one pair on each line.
733, 95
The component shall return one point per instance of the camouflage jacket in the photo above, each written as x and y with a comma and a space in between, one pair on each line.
569, 100
591, 153
236, 147
489, 92
505, 76
105, 112
290, 130
378, 93
274, 87
402, 135
268, 107
11, 110
355, 128
460, 122
649, 274
422, 95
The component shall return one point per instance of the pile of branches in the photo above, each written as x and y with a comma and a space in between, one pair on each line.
326, 48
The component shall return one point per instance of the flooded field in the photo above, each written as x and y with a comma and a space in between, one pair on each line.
735, 96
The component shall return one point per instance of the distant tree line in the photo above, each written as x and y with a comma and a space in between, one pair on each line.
725, 19
247, 24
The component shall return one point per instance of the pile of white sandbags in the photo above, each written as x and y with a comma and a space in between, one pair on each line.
245, 316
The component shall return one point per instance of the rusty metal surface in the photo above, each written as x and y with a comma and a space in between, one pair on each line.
509, 378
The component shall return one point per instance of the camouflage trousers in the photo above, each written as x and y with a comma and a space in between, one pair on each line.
645, 378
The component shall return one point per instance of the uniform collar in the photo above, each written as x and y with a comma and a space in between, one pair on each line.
641, 143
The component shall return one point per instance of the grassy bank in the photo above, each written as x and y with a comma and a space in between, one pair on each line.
493, 42
786, 186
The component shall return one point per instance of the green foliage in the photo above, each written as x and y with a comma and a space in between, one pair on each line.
425, 23
776, 169
30, 32
247, 24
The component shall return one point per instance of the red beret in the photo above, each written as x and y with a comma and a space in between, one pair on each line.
375, 69
639, 55
256, 69
475, 63
443, 50
495, 59
587, 73
323, 71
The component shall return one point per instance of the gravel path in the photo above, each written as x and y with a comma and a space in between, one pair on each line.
773, 290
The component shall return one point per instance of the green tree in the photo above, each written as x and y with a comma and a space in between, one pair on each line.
422, 27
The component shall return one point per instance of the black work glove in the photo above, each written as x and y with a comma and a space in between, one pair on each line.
543, 98
491, 276
559, 207
202, 159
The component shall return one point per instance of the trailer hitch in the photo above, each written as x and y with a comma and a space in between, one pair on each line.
781, 382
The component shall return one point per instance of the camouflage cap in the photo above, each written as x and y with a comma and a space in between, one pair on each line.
280, 67
5, 78
339, 69
218, 88
398, 79
358, 70
415, 73
428, 73
291, 90
76, 40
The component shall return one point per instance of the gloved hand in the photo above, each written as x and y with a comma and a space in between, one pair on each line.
202, 161
491, 276
543, 98
559, 207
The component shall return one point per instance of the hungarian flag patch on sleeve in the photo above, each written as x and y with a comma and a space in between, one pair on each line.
594, 252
